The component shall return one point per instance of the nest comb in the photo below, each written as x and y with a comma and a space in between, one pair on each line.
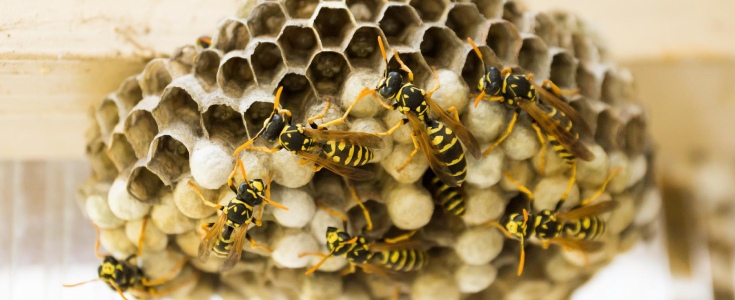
183, 116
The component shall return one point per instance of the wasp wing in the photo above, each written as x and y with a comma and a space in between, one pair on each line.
355, 138
436, 161
463, 134
339, 169
589, 210
205, 247
554, 127
236, 251
576, 244
562, 106
401, 245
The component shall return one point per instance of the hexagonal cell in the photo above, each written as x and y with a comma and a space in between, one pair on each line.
612, 88
256, 114
378, 215
267, 62
583, 48
224, 123
430, 10
129, 93
362, 50
266, 19
534, 56
233, 35
635, 134
466, 21
169, 158
300, 9
178, 107
296, 89
182, 60
328, 71
332, 25
440, 47
473, 68
490, 9
205, 68
154, 78
512, 13
299, 43
102, 167
235, 76
587, 82
563, 66
140, 128
505, 41
121, 152
399, 22
608, 126
365, 10
144, 185
414, 61
107, 116
545, 28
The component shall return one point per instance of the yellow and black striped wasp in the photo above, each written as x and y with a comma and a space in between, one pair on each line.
560, 121
225, 236
387, 255
339, 151
575, 229
126, 276
451, 198
438, 137
204, 42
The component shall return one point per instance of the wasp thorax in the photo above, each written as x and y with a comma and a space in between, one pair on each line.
491, 83
546, 225
273, 126
248, 194
391, 85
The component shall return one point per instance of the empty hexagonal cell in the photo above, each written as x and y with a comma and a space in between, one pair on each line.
505, 41
121, 152
414, 61
473, 68
144, 184
398, 23
466, 21
612, 88
205, 68
300, 9
233, 35
154, 78
328, 71
587, 82
635, 134
583, 48
182, 60
102, 167
430, 10
107, 115
224, 123
563, 66
169, 158
362, 50
178, 107
140, 128
296, 89
608, 128
365, 10
490, 9
534, 56
545, 28
440, 47
129, 93
267, 62
266, 19
299, 43
512, 13
332, 24
235, 76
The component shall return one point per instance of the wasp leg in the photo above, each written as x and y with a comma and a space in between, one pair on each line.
394, 128
365, 212
602, 187
502, 229
332, 212
416, 148
504, 136
402, 237
506, 71
256, 245
349, 270
434, 89
554, 89
572, 179
403, 66
175, 271
542, 154
199, 193
140, 238
244, 146
365, 91
319, 116
164, 292
453, 110
520, 187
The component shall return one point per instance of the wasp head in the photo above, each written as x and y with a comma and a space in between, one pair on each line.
517, 225
273, 126
336, 237
491, 82
390, 85
252, 196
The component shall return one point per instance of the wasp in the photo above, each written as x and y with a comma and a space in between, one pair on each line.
576, 229
452, 199
339, 151
392, 254
125, 276
438, 137
204, 42
225, 236
560, 121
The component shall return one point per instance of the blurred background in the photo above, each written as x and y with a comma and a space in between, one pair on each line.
59, 57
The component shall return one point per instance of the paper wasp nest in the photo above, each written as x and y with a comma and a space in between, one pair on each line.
182, 117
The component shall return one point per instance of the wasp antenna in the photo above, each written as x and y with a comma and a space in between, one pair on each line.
382, 51
97, 242
80, 283
140, 238
277, 100
479, 97
321, 262
477, 50
522, 260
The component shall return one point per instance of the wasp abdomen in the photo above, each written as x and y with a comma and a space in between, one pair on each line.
348, 154
587, 228
401, 260
450, 149
451, 198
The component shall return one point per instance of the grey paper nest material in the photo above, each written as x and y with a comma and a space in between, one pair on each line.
182, 117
